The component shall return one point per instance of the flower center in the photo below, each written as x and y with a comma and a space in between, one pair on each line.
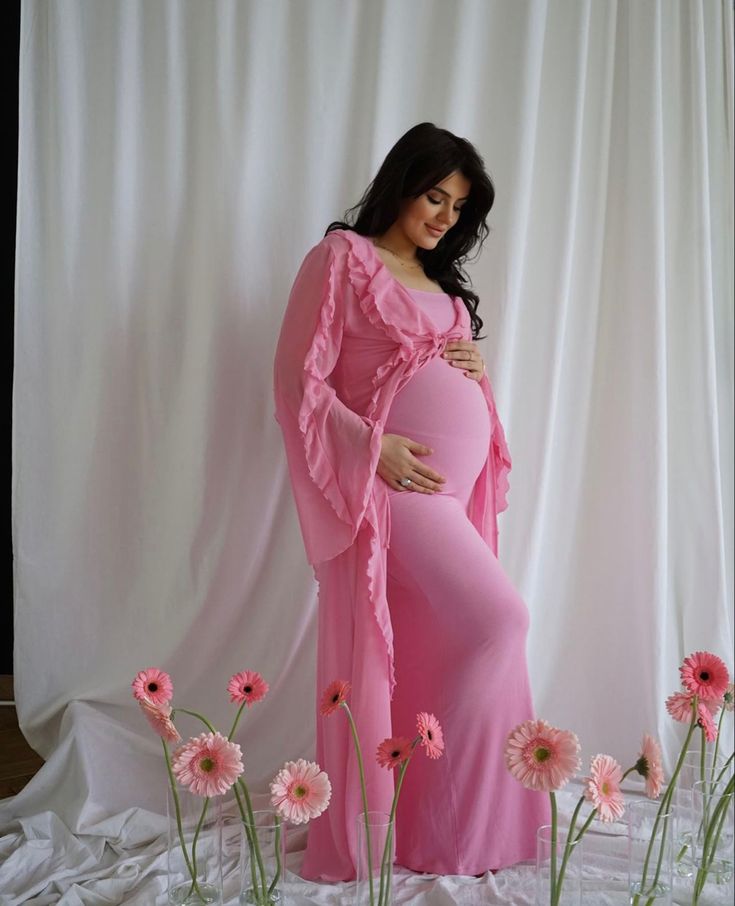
641, 766
395, 753
541, 754
153, 687
605, 788
299, 791
335, 698
429, 736
248, 690
704, 676
207, 765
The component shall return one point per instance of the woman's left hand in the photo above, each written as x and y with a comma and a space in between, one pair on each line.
463, 354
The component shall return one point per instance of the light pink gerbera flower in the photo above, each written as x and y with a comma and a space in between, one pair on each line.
432, 737
540, 756
728, 697
603, 788
334, 695
679, 706
153, 684
706, 722
649, 766
247, 688
393, 752
159, 717
300, 791
207, 764
704, 674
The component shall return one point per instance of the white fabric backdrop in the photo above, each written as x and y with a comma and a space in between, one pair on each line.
176, 162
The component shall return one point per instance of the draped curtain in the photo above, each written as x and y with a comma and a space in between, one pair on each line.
176, 162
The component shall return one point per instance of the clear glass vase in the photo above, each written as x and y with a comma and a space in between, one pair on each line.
263, 859
651, 841
558, 868
712, 806
375, 856
194, 848
695, 767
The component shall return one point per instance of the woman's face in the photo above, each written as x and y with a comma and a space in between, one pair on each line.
425, 219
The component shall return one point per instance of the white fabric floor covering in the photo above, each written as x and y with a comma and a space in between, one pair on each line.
121, 858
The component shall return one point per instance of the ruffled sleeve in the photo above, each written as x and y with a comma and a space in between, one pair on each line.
332, 452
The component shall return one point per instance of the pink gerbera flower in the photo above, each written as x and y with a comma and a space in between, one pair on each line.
540, 756
300, 791
207, 764
705, 721
432, 738
704, 674
603, 788
159, 717
153, 684
649, 766
679, 706
334, 695
247, 688
393, 752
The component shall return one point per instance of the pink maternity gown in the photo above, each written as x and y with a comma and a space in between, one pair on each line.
414, 608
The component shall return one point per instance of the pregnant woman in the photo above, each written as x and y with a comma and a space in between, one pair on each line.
398, 465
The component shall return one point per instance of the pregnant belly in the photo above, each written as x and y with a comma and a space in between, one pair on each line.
447, 411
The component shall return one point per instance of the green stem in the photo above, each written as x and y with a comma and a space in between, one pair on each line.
363, 790
386, 863
554, 897
194, 842
251, 845
198, 717
712, 831
258, 855
717, 744
571, 842
235, 722
177, 807
666, 800
279, 867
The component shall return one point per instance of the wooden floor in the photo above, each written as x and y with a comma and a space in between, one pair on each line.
18, 761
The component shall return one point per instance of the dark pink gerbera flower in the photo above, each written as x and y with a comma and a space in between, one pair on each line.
247, 688
706, 675
154, 685
334, 695
393, 752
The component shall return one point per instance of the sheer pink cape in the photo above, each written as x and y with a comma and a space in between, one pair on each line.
352, 336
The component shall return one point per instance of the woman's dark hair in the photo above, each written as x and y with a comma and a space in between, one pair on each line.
421, 158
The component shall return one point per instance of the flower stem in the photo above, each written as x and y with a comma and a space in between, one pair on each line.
258, 856
279, 867
386, 863
363, 790
251, 846
197, 715
179, 826
554, 898
235, 722
713, 829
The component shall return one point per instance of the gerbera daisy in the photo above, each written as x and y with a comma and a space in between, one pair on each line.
603, 788
247, 688
334, 695
393, 752
207, 764
153, 684
649, 766
432, 738
159, 717
705, 721
704, 674
540, 756
679, 706
300, 791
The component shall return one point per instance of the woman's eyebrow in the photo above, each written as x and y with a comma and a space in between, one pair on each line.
437, 189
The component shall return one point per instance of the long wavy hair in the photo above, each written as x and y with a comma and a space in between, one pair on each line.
421, 158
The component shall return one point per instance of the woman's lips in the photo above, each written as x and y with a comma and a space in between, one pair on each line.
435, 230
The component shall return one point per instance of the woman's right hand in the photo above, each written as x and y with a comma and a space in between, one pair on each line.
398, 460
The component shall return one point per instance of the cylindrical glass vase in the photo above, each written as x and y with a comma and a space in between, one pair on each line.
194, 848
695, 767
263, 859
375, 856
712, 805
558, 868
651, 841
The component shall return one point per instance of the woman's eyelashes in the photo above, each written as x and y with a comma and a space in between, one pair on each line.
438, 201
